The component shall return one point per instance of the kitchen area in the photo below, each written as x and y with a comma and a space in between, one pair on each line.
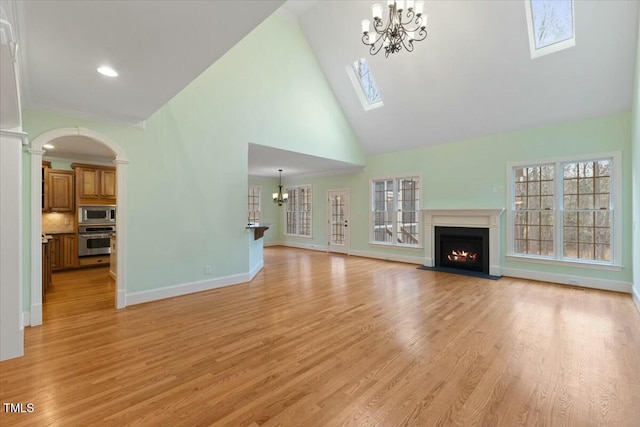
78, 220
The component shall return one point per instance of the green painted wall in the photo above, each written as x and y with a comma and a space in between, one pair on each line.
636, 172
187, 175
464, 174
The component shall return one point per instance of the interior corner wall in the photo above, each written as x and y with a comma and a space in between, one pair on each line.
635, 113
182, 214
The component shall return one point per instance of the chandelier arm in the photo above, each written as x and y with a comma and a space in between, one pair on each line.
408, 45
375, 49
420, 35
410, 18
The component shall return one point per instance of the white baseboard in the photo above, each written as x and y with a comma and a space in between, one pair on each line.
636, 298
256, 270
184, 289
564, 279
389, 257
272, 244
321, 248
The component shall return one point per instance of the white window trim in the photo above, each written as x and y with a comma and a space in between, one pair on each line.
360, 92
616, 209
297, 188
552, 48
259, 201
394, 243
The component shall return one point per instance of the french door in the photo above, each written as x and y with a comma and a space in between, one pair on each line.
338, 221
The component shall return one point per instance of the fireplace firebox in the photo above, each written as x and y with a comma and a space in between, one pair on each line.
462, 248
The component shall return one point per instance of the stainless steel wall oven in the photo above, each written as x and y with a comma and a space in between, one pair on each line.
94, 239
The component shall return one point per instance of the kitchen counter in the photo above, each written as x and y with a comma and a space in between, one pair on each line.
258, 229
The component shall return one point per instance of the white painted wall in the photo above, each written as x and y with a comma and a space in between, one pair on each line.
11, 328
635, 180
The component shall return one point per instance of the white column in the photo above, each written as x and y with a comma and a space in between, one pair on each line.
35, 311
121, 232
11, 325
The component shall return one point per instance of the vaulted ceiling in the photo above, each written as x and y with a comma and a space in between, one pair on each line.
473, 76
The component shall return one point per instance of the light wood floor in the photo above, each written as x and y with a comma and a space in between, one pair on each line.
321, 339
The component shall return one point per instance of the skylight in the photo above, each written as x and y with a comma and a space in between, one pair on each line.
365, 85
551, 26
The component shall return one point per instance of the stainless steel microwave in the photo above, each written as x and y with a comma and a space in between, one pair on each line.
96, 214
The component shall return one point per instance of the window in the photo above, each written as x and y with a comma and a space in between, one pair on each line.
298, 215
565, 210
551, 26
254, 203
395, 211
364, 85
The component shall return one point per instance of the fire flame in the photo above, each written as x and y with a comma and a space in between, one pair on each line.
462, 256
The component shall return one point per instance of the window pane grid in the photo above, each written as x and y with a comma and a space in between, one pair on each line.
534, 210
408, 203
585, 214
337, 220
254, 203
396, 211
298, 220
586, 210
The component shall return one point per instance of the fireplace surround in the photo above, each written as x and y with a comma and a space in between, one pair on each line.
488, 219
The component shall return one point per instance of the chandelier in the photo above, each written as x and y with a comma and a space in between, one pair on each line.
278, 197
401, 30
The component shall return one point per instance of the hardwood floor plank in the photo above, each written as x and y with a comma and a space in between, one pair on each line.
319, 339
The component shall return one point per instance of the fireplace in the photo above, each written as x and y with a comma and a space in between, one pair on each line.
462, 248
487, 220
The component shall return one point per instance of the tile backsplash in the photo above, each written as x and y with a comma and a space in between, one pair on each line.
58, 222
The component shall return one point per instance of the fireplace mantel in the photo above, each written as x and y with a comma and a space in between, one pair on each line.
477, 218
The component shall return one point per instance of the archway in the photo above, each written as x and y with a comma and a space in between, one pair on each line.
120, 162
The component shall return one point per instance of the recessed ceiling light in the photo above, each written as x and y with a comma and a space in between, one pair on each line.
48, 146
107, 71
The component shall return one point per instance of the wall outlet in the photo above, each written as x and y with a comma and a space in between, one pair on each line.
207, 269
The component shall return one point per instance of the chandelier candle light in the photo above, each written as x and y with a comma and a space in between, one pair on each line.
401, 30
278, 197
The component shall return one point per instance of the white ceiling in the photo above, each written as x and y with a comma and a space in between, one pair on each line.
472, 76
265, 162
79, 148
158, 47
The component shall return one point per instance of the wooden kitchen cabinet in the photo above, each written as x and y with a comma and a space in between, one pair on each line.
94, 261
55, 252
59, 189
64, 251
44, 202
46, 267
95, 184
113, 258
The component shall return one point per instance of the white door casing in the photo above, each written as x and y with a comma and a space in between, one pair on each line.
120, 162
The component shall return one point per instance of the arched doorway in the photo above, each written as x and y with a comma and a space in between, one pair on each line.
120, 162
